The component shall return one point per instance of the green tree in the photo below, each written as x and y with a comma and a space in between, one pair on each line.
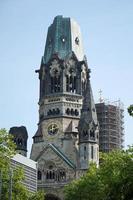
116, 173
19, 192
130, 110
88, 187
113, 180
7, 148
40, 195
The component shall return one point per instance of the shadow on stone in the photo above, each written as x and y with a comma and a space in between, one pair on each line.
51, 197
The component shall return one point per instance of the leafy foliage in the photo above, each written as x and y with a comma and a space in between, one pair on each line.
113, 180
7, 148
130, 110
19, 192
37, 196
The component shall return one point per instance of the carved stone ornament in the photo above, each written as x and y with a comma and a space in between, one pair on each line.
70, 67
84, 75
55, 68
92, 126
41, 163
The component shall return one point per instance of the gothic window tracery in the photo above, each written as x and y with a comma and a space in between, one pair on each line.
68, 111
55, 76
53, 112
55, 175
72, 112
53, 129
20, 141
71, 76
62, 175
85, 133
55, 84
92, 134
50, 175
71, 83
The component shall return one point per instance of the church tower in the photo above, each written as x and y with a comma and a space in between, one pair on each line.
20, 137
64, 83
88, 129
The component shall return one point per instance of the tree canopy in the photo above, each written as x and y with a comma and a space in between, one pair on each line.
7, 148
112, 180
19, 191
130, 110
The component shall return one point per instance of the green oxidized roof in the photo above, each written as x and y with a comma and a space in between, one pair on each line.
58, 39
59, 153
62, 155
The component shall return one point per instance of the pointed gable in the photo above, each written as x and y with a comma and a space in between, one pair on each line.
58, 153
88, 112
72, 128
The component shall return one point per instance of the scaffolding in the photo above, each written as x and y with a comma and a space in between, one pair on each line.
111, 122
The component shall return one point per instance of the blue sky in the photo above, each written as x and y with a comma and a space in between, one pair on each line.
107, 33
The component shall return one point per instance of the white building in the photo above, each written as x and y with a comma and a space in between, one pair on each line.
30, 171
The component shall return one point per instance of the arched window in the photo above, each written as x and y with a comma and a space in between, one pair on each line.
56, 175
39, 175
53, 174
92, 152
76, 112
47, 175
54, 112
55, 84
20, 141
72, 112
68, 111
71, 83
57, 111
50, 175
92, 134
84, 152
85, 133
62, 174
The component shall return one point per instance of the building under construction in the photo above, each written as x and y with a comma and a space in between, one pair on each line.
111, 122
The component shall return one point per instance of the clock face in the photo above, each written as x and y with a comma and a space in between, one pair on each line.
53, 129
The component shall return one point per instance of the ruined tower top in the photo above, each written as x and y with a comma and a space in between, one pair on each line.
63, 37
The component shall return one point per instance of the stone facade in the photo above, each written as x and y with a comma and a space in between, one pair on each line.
67, 137
20, 137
